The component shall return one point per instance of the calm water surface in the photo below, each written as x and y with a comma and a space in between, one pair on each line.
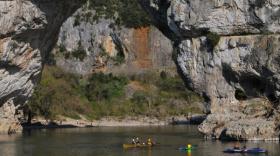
107, 141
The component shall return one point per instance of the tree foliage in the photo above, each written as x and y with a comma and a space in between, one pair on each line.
105, 87
124, 12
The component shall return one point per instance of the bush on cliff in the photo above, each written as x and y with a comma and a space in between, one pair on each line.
79, 53
213, 39
124, 12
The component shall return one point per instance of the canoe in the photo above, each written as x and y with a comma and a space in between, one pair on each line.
185, 148
250, 150
136, 145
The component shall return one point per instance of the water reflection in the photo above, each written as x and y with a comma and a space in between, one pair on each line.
189, 153
8, 145
107, 141
149, 152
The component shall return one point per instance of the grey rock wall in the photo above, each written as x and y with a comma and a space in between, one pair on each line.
238, 77
143, 48
189, 18
28, 30
244, 61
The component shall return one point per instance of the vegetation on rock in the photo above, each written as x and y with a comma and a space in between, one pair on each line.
78, 53
127, 13
213, 39
153, 94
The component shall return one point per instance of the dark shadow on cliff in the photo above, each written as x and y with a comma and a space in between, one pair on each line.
187, 81
56, 12
161, 21
193, 120
159, 17
44, 35
249, 85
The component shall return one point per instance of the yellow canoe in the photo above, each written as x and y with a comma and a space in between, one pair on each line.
136, 145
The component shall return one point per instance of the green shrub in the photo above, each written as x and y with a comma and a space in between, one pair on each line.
125, 12
140, 98
79, 53
77, 20
105, 87
119, 59
100, 95
213, 39
62, 48
58, 93
132, 15
240, 94
163, 75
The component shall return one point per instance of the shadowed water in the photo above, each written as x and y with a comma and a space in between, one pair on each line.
107, 141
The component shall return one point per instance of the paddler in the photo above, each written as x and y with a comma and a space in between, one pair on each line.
133, 141
244, 148
236, 146
189, 146
149, 142
137, 141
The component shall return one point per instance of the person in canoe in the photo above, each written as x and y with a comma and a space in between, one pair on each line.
244, 148
236, 147
137, 141
149, 142
133, 141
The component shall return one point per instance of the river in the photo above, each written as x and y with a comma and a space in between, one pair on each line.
107, 141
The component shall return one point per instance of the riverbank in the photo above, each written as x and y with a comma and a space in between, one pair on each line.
65, 122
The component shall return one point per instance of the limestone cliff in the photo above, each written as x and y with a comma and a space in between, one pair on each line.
228, 51
28, 30
109, 47
138, 57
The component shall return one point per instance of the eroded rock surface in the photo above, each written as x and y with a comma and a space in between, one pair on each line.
28, 30
239, 75
109, 47
189, 18
250, 67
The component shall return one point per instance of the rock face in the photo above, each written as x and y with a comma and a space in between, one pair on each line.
239, 75
28, 30
225, 17
227, 51
111, 48
250, 67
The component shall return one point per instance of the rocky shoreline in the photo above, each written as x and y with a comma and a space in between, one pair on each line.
137, 122
114, 122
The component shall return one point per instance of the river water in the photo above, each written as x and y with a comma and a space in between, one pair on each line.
107, 141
